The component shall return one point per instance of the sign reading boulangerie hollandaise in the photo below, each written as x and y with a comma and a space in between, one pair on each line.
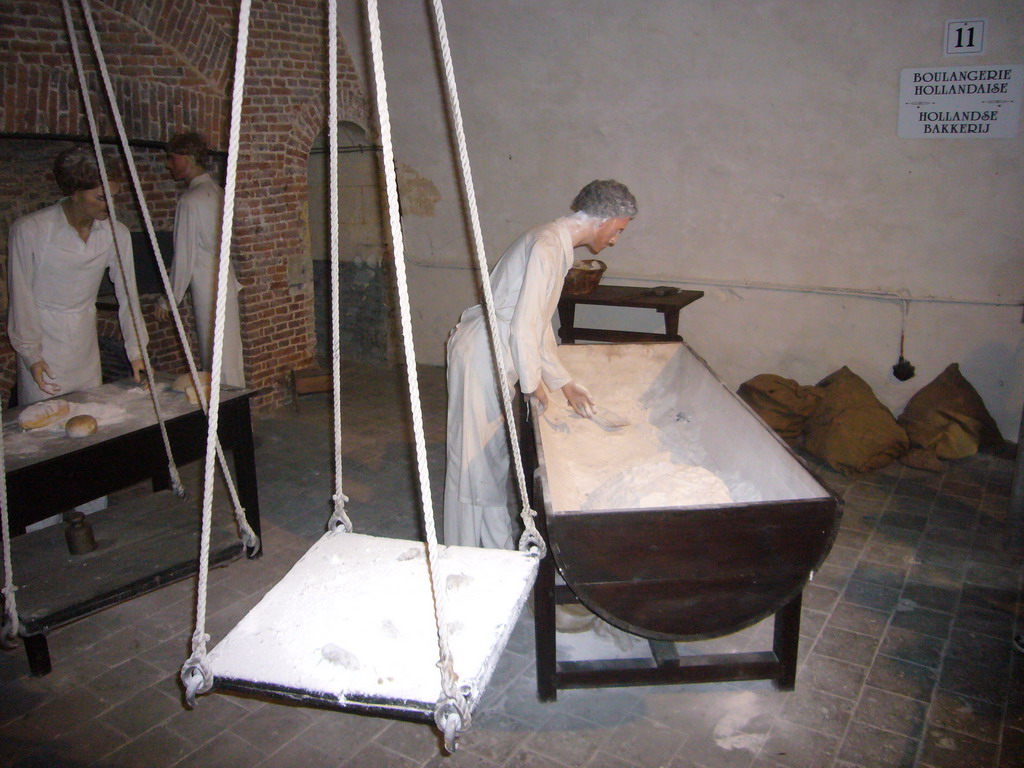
960, 102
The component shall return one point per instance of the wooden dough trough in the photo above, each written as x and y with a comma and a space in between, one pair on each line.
352, 627
686, 572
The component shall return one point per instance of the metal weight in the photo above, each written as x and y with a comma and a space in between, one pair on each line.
79, 534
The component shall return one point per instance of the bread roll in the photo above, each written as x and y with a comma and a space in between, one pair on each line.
43, 413
190, 393
80, 426
184, 382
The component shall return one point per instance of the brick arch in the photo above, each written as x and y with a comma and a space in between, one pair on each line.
311, 120
270, 201
197, 35
155, 84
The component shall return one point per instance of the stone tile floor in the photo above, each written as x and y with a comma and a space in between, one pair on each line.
906, 655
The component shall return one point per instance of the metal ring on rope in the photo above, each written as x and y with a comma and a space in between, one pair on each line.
532, 543
339, 518
9, 638
452, 715
251, 541
196, 672
9, 628
197, 678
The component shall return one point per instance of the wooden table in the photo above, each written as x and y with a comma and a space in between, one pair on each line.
623, 296
48, 473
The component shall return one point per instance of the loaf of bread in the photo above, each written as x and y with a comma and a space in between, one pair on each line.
43, 414
82, 425
185, 384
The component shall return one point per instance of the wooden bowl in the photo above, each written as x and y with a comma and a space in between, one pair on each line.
584, 276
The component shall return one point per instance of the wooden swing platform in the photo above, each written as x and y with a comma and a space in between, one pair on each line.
351, 627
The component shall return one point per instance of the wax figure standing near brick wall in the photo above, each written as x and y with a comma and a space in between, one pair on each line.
57, 258
197, 221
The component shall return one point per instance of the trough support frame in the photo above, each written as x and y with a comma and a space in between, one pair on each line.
665, 666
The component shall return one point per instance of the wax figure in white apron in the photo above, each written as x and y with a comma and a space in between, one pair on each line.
526, 284
57, 257
196, 246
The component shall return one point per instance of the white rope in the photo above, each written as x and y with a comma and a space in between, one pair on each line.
196, 673
9, 629
339, 518
453, 712
248, 535
135, 311
9, 626
531, 540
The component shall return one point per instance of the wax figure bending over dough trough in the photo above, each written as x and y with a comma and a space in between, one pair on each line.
526, 284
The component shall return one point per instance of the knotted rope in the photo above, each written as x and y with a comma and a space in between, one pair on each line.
531, 540
453, 711
196, 673
249, 537
339, 518
9, 625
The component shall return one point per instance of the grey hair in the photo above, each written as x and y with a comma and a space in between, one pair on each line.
605, 199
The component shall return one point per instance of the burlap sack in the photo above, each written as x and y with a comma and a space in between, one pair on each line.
851, 430
949, 418
783, 404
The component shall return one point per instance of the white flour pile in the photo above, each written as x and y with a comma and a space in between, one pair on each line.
662, 484
635, 467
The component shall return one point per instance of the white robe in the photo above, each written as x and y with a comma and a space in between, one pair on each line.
196, 247
53, 279
526, 283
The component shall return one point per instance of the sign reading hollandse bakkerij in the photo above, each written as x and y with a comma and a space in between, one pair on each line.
960, 102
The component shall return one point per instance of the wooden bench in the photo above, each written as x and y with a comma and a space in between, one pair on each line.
308, 381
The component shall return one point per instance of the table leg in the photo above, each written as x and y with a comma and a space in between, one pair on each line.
38, 653
544, 629
787, 642
672, 324
161, 481
244, 456
566, 321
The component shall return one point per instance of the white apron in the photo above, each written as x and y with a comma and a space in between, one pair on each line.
197, 221
526, 284
54, 278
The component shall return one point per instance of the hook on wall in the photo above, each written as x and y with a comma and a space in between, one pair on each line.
903, 370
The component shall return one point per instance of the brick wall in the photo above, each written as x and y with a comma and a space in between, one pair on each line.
171, 63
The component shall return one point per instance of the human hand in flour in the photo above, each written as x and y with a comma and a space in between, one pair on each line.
38, 371
539, 399
579, 399
138, 370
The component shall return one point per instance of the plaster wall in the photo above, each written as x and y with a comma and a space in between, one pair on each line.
760, 140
